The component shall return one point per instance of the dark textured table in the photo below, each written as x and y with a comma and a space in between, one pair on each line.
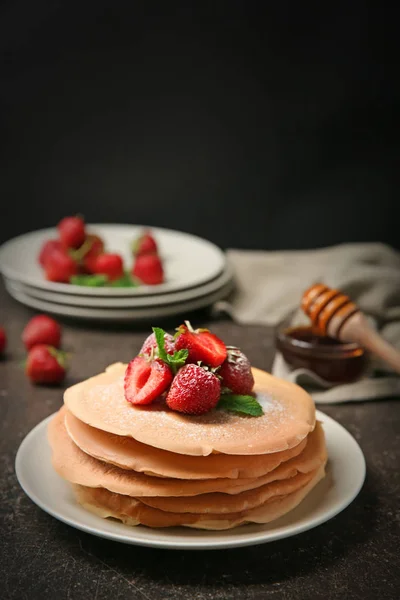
355, 555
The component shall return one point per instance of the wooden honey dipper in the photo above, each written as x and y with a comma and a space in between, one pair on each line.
334, 314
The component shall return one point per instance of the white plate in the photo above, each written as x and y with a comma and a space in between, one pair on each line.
119, 314
345, 477
126, 302
188, 260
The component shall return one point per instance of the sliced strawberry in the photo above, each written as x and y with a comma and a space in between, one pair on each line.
145, 244
236, 372
202, 345
150, 344
194, 390
41, 329
72, 232
146, 380
47, 249
148, 269
60, 267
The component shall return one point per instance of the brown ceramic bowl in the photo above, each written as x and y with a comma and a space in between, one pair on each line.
332, 360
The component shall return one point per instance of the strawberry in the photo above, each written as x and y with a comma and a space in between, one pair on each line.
72, 232
148, 269
150, 344
145, 380
203, 345
3, 340
96, 248
47, 249
45, 364
41, 330
60, 267
194, 390
110, 265
236, 373
145, 244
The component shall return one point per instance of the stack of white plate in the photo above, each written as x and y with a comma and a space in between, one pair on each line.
196, 276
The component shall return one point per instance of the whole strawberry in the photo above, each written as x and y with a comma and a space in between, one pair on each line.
194, 390
109, 264
203, 345
72, 232
150, 344
148, 269
60, 267
96, 248
41, 330
47, 249
3, 340
236, 372
145, 380
145, 244
45, 364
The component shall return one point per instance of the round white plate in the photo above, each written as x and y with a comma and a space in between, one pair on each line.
119, 314
188, 260
345, 477
125, 302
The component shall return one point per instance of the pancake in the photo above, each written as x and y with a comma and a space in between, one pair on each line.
77, 467
133, 512
289, 415
127, 453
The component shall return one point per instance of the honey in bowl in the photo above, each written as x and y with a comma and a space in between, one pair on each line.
332, 360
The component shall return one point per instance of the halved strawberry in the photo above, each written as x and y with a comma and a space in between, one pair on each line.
146, 380
202, 345
150, 344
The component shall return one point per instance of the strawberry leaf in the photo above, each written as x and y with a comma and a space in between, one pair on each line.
247, 405
176, 360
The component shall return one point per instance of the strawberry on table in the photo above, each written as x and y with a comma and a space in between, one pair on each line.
236, 372
194, 390
148, 269
41, 329
72, 232
145, 244
202, 345
60, 267
109, 264
47, 249
145, 380
45, 364
3, 340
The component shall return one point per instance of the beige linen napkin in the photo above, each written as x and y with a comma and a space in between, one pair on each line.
269, 287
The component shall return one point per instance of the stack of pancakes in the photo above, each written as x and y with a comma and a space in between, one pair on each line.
152, 466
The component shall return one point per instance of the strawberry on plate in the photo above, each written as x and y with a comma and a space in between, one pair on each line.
148, 269
45, 364
3, 340
194, 390
47, 249
235, 372
109, 264
60, 267
145, 244
72, 232
145, 380
41, 329
202, 345
96, 247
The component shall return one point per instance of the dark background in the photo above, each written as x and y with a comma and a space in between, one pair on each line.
254, 130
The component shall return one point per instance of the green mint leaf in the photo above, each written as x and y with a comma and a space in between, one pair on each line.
125, 281
175, 360
162, 353
89, 280
247, 405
